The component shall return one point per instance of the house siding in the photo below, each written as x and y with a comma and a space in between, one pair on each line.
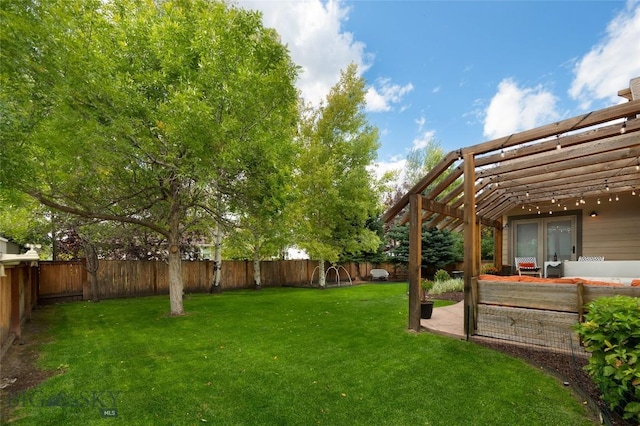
614, 233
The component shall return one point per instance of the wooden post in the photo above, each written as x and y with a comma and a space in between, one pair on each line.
415, 260
471, 254
497, 247
477, 230
580, 291
86, 294
14, 320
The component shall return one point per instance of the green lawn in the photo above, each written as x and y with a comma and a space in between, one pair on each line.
279, 357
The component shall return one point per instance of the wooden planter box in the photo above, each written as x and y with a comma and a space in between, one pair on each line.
536, 313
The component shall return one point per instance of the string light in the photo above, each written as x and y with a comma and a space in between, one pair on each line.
617, 199
598, 200
558, 146
623, 129
606, 185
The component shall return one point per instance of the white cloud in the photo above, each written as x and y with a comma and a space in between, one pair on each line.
382, 167
513, 109
421, 122
313, 32
610, 65
380, 98
424, 139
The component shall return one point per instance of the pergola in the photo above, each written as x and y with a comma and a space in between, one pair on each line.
591, 155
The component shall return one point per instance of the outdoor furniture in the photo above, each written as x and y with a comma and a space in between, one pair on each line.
379, 274
591, 259
528, 266
551, 263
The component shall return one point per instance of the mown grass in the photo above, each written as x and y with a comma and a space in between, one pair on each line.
280, 357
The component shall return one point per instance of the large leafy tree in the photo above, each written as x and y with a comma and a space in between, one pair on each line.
337, 191
142, 112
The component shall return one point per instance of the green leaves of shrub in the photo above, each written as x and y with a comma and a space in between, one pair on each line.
441, 275
611, 332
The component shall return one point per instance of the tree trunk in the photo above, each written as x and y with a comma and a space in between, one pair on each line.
256, 270
92, 269
217, 261
322, 277
358, 275
175, 264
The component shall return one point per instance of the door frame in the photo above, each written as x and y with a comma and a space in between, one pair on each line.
511, 233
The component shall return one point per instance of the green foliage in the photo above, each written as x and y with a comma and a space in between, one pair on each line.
448, 286
420, 161
438, 246
489, 268
426, 286
377, 255
337, 193
148, 113
441, 275
611, 332
487, 242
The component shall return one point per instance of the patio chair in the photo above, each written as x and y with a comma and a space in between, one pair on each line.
591, 259
528, 266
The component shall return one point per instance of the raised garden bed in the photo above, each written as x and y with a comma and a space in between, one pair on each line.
528, 310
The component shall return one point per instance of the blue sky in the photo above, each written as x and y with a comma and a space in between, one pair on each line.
462, 72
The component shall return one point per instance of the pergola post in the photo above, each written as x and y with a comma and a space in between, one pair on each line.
471, 237
415, 260
497, 247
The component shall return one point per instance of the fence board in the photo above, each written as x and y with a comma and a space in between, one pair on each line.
555, 297
16, 301
130, 278
60, 281
5, 306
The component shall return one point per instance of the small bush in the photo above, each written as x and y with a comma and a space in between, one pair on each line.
426, 286
611, 332
448, 286
442, 275
489, 269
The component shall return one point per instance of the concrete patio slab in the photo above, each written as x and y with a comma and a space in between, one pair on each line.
447, 321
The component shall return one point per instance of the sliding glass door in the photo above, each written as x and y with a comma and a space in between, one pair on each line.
545, 239
560, 239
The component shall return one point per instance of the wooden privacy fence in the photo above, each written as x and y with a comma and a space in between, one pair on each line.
67, 281
18, 294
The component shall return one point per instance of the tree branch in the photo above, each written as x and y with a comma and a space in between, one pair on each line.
96, 215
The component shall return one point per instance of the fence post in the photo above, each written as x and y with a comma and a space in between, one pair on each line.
580, 290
